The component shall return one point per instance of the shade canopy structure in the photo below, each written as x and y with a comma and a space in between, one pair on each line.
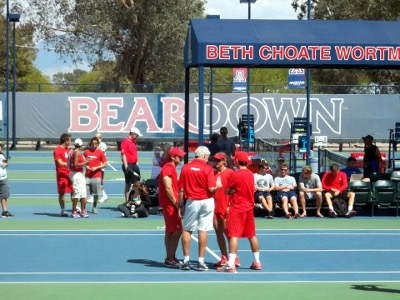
221, 43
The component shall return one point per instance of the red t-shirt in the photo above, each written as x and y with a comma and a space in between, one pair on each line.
338, 182
96, 157
129, 149
242, 181
196, 177
222, 199
61, 153
72, 163
169, 170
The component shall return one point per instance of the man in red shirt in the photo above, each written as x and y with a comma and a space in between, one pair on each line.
129, 156
96, 163
168, 196
334, 184
64, 184
240, 216
221, 204
197, 184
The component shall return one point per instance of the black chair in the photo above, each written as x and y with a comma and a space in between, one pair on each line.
385, 193
152, 187
395, 178
362, 192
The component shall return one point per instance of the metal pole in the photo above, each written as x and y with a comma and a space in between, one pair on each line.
14, 107
248, 87
308, 132
7, 76
211, 99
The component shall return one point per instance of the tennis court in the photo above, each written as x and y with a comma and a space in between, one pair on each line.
45, 256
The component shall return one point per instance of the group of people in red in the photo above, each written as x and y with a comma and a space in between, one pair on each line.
70, 165
221, 200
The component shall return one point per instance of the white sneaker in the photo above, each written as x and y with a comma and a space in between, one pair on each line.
103, 198
90, 200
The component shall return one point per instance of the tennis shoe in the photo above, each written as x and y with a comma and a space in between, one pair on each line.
84, 214
201, 267
174, 263
63, 214
350, 214
6, 214
222, 262
94, 210
237, 262
90, 200
75, 215
255, 266
332, 213
227, 268
185, 266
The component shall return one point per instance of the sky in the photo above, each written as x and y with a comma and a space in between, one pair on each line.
49, 63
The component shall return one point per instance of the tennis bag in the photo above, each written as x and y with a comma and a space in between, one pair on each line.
339, 206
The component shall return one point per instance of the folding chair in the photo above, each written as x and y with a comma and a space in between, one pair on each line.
362, 192
385, 194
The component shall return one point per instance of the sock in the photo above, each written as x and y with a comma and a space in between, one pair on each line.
350, 207
185, 258
232, 257
256, 256
330, 207
201, 260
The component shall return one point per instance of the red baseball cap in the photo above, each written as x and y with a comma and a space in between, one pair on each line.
242, 156
220, 156
176, 151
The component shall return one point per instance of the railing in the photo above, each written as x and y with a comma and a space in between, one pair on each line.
180, 88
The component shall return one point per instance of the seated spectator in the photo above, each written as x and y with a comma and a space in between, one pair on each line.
310, 188
254, 167
264, 184
277, 172
352, 169
285, 186
136, 207
335, 185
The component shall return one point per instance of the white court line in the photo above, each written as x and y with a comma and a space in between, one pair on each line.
247, 272
207, 249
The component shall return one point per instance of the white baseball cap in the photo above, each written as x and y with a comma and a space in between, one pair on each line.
78, 142
136, 130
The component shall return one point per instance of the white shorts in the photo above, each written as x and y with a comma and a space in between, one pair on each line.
78, 185
199, 215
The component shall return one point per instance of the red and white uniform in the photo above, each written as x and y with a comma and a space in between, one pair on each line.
64, 184
96, 158
240, 220
173, 222
221, 199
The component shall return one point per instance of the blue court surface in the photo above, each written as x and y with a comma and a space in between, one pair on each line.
137, 256
42, 253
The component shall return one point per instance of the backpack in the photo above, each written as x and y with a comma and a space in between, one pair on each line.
339, 206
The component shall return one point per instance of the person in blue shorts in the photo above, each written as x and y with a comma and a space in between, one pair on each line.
286, 186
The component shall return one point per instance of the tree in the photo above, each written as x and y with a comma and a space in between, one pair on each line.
145, 38
387, 10
26, 53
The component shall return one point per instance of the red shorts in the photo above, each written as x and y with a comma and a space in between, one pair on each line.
64, 184
220, 216
240, 224
173, 222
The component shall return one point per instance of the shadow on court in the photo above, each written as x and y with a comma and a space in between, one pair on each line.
374, 288
146, 262
55, 215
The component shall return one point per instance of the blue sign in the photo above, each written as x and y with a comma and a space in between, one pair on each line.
296, 79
